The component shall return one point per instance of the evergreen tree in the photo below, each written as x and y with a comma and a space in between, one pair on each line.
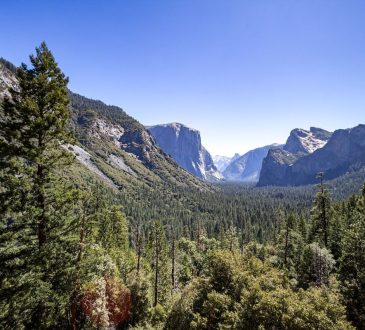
290, 246
139, 287
316, 266
336, 234
37, 202
321, 214
113, 232
352, 266
159, 263
137, 242
87, 211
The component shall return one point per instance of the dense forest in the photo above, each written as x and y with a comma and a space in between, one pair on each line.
77, 254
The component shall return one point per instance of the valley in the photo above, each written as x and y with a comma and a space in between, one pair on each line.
116, 225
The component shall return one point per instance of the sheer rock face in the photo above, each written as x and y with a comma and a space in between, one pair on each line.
184, 145
277, 165
344, 151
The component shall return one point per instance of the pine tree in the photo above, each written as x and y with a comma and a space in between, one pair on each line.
321, 214
159, 263
88, 212
335, 235
290, 246
113, 234
230, 238
352, 266
173, 260
36, 201
138, 245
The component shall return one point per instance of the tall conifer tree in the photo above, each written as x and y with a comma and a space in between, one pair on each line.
321, 214
36, 203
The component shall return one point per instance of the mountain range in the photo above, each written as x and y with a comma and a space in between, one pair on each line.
114, 147
120, 151
307, 153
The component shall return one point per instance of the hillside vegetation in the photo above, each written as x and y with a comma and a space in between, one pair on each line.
102, 230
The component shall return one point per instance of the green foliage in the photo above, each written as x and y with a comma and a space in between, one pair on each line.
352, 266
290, 245
140, 289
221, 257
321, 215
242, 292
37, 204
158, 259
316, 267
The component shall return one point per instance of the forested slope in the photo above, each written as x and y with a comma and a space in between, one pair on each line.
184, 256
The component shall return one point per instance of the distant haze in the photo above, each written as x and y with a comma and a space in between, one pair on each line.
244, 73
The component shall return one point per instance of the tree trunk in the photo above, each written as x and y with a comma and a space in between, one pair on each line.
42, 236
157, 255
173, 264
286, 244
138, 248
75, 294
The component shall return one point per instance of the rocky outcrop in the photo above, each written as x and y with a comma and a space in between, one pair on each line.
275, 166
278, 162
247, 167
301, 141
184, 145
343, 152
7, 78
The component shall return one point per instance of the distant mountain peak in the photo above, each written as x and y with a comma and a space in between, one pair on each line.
184, 145
111, 144
335, 154
247, 167
222, 162
174, 125
303, 141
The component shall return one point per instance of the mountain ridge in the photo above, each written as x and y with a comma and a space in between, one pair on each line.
343, 152
113, 145
123, 153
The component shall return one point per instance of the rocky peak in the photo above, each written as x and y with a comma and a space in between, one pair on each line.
101, 127
184, 145
301, 141
343, 152
112, 144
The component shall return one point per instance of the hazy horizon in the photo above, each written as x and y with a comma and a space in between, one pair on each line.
244, 73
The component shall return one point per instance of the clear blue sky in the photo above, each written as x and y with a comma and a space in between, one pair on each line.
242, 72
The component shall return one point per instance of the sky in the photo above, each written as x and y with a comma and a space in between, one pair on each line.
243, 72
